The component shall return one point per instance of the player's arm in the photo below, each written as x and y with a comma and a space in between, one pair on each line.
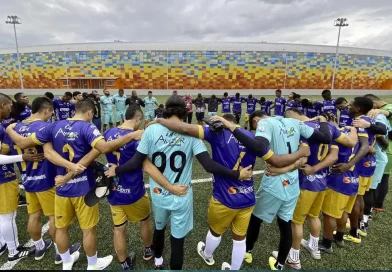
105, 147
19, 140
328, 161
373, 113
323, 135
280, 161
180, 127
348, 140
383, 142
57, 159
275, 171
376, 128
142, 103
132, 165
272, 105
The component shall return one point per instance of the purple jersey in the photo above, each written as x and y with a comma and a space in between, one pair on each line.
72, 139
280, 106
130, 187
63, 110
291, 104
26, 113
227, 151
250, 105
314, 110
346, 183
237, 104
5, 123
7, 172
317, 182
36, 176
329, 106
266, 106
367, 165
225, 104
345, 119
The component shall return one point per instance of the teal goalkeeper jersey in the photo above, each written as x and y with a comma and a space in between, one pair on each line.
119, 101
381, 155
150, 104
172, 154
284, 137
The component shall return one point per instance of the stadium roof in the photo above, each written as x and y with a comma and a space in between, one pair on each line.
196, 46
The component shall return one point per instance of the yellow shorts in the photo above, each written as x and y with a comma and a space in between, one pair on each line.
41, 201
66, 208
135, 212
335, 203
220, 218
247, 117
9, 193
309, 204
364, 184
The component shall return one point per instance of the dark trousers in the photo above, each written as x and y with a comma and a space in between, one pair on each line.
188, 118
98, 123
381, 192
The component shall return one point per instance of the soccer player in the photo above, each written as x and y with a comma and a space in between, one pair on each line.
226, 103
77, 96
212, 103
97, 119
74, 138
63, 107
329, 103
280, 103
50, 96
160, 111
23, 100
200, 108
383, 107
344, 119
119, 102
232, 202
38, 180
237, 106
250, 108
149, 110
134, 100
173, 155
189, 106
291, 103
9, 190
106, 102
266, 105
277, 195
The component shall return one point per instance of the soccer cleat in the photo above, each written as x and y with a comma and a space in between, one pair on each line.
296, 265
39, 254
23, 252
248, 257
226, 266
370, 218
3, 249
314, 253
22, 201
324, 249
101, 264
340, 244
200, 249
272, 262
131, 266
362, 231
72, 249
353, 239
159, 267
148, 253
275, 254
379, 209
74, 257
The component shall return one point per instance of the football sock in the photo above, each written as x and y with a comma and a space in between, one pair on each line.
212, 243
39, 245
238, 254
9, 231
313, 242
92, 260
66, 257
253, 232
327, 243
354, 232
177, 253
2, 241
339, 236
286, 240
294, 254
158, 242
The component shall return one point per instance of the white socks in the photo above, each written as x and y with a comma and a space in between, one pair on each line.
365, 218
40, 244
238, 254
66, 257
294, 254
159, 261
313, 242
92, 260
9, 232
212, 243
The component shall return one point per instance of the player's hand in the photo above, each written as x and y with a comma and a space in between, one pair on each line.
111, 172
340, 168
305, 150
152, 123
33, 157
322, 118
373, 113
272, 171
307, 170
137, 135
11, 127
77, 168
226, 123
60, 181
178, 190
360, 123
246, 173
372, 151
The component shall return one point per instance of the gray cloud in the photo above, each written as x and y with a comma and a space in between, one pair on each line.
292, 21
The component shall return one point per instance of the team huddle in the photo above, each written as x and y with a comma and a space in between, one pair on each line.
322, 158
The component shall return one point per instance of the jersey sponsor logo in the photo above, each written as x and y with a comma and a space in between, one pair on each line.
261, 128
122, 190
159, 191
285, 183
369, 164
350, 180
64, 109
240, 190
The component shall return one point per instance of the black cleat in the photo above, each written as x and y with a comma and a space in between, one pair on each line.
39, 254
22, 201
23, 252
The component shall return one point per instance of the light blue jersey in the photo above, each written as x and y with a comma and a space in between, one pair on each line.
119, 101
107, 104
172, 154
149, 104
284, 137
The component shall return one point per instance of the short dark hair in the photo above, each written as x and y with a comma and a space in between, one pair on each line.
76, 93
150, 92
5, 97
225, 94
85, 94
258, 113
326, 91
213, 96
306, 103
372, 97
237, 95
296, 96
295, 110
91, 95
69, 94
84, 106
279, 91
262, 99
17, 96
365, 104
340, 100
49, 95
176, 106
161, 106
131, 112
120, 90
229, 117
41, 103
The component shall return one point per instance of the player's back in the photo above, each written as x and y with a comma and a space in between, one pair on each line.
367, 165
62, 109
7, 172
130, 186
280, 104
225, 104
237, 104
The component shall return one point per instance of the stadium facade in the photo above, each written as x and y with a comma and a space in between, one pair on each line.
195, 66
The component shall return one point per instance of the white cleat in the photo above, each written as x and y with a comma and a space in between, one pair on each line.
314, 253
289, 261
200, 249
102, 263
74, 257
226, 266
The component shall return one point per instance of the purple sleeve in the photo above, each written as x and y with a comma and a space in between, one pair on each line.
91, 134
207, 133
44, 135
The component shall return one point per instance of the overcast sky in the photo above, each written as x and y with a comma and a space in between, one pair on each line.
288, 21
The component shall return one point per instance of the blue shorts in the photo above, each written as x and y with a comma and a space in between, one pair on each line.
98, 123
149, 115
181, 219
268, 206
378, 174
199, 116
107, 118
212, 113
120, 115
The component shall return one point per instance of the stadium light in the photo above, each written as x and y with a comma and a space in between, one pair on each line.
15, 20
66, 67
339, 22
